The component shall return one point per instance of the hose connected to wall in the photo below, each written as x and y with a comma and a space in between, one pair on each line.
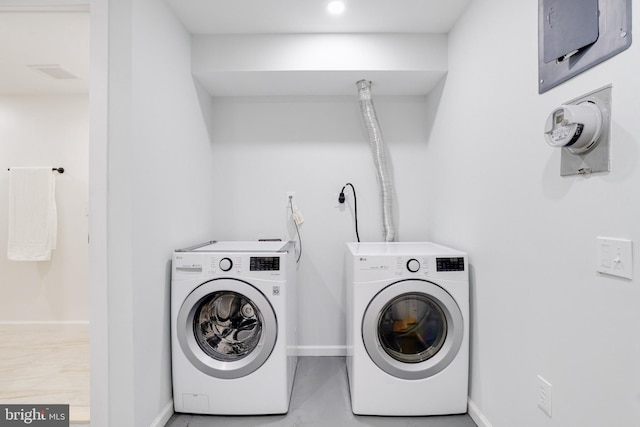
379, 157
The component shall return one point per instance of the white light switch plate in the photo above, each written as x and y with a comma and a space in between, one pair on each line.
544, 395
615, 257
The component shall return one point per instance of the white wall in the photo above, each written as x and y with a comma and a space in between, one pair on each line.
539, 307
171, 199
47, 131
265, 147
152, 190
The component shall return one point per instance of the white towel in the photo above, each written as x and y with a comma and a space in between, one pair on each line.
32, 214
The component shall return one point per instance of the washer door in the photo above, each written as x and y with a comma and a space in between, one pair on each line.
227, 328
412, 329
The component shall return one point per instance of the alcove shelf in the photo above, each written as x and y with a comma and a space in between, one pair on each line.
318, 64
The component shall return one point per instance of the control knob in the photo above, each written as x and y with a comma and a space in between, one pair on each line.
225, 264
413, 265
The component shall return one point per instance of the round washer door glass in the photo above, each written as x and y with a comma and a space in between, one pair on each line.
227, 328
412, 329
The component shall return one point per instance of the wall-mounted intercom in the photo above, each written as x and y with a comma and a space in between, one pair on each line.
581, 128
575, 35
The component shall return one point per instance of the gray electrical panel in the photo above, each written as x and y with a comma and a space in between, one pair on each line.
569, 25
575, 35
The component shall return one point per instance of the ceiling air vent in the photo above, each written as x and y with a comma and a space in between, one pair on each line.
54, 70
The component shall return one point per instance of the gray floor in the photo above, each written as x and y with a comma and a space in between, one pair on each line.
320, 398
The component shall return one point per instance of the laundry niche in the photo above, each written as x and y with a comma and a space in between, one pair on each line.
575, 35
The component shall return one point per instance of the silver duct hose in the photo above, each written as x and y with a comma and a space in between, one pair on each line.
379, 157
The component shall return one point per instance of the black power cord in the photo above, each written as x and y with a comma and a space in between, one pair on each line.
341, 199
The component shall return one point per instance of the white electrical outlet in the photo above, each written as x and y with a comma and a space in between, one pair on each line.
614, 257
544, 395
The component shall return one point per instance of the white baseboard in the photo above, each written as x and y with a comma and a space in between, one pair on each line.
321, 350
476, 414
44, 322
163, 417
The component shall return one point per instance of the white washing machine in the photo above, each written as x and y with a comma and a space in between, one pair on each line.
407, 328
233, 328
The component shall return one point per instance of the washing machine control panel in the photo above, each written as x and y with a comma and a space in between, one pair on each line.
231, 264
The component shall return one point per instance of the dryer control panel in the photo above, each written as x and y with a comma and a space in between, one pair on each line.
376, 267
368, 262
442, 264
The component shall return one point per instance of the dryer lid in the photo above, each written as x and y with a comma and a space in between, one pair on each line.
412, 329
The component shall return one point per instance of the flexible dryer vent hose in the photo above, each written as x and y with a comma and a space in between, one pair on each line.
379, 157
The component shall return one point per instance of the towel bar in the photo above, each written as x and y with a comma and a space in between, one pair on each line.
59, 170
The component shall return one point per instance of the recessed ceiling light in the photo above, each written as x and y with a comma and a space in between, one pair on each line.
335, 7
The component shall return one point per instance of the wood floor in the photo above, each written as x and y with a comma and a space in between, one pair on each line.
46, 364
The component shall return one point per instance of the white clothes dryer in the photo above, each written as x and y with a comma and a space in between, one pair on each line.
233, 328
407, 328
